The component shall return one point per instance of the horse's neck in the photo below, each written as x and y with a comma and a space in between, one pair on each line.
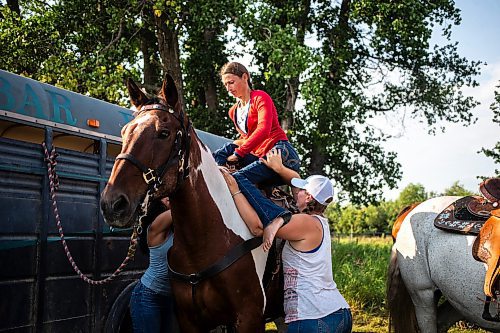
203, 209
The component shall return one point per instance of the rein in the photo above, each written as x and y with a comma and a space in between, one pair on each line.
54, 184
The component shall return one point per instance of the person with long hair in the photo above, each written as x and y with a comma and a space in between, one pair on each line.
256, 120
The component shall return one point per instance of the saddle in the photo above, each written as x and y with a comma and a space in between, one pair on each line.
486, 247
479, 216
283, 199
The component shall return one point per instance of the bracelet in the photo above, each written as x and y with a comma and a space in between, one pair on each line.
237, 192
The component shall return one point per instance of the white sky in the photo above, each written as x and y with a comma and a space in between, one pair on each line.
438, 161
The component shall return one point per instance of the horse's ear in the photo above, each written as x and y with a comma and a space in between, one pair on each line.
137, 96
169, 91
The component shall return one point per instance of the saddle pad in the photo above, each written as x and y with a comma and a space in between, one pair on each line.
457, 218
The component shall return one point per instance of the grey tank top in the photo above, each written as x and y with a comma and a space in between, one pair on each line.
156, 276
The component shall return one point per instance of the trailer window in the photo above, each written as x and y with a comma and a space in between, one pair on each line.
21, 132
32, 134
113, 150
27, 133
73, 142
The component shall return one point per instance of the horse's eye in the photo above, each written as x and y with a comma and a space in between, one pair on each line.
164, 133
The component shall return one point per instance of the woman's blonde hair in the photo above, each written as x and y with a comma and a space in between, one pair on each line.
237, 69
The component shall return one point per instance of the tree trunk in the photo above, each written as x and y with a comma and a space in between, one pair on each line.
292, 89
168, 45
210, 85
148, 44
318, 160
14, 6
338, 43
292, 86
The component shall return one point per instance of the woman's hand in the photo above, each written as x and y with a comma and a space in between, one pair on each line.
274, 160
231, 183
232, 159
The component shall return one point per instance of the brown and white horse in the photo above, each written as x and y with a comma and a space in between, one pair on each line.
160, 146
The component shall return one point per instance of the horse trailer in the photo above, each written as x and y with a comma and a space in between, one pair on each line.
40, 291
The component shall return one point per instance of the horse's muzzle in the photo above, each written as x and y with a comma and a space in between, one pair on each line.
116, 209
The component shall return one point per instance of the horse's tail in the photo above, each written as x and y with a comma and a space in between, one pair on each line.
401, 309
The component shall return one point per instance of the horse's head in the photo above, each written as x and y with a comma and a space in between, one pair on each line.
154, 156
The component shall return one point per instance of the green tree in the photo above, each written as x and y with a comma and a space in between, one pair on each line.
84, 46
361, 44
411, 194
494, 152
205, 53
92, 46
327, 91
457, 189
345, 220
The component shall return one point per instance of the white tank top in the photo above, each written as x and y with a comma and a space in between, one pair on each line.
242, 115
310, 292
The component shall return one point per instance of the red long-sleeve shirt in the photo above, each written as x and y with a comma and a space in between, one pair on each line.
263, 127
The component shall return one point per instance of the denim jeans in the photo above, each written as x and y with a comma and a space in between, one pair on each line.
264, 207
221, 155
337, 322
151, 311
256, 171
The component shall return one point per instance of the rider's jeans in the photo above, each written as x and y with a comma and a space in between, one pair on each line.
265, 208
256, 171
337, 322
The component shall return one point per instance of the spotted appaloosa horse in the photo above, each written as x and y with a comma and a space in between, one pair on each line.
206, 221
426, 263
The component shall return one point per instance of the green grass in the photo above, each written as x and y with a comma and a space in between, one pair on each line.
359, 267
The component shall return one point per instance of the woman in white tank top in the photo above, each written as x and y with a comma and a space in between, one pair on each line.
312, 301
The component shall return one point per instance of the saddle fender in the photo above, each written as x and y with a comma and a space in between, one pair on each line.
486, 249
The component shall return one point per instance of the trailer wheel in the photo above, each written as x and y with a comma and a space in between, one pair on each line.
119, 320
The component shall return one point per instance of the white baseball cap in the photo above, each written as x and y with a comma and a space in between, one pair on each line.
320, 187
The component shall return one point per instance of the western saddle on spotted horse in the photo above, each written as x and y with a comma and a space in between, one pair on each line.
460, 261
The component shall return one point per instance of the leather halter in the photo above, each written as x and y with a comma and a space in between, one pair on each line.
179, 154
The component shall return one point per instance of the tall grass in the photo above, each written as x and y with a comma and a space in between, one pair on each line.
359, 268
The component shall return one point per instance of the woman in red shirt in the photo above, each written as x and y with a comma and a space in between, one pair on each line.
256, 120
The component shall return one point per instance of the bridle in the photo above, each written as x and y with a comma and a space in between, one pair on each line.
179, 155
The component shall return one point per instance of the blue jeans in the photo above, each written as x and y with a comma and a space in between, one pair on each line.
256, 171
152, 312
264, 207
337, 322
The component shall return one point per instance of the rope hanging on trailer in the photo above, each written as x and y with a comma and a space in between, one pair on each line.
54, 184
